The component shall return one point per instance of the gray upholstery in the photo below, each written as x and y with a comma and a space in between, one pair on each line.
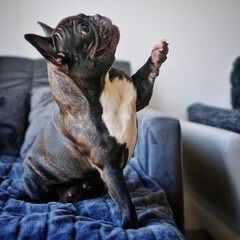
15, 87
125, 66
160, 156
211, 160
235, 84
217, 117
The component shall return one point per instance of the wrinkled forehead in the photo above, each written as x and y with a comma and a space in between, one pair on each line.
72, 21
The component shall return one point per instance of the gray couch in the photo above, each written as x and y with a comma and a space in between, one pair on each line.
26, 104
211, 160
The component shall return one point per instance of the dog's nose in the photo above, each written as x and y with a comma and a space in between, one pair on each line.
97, 17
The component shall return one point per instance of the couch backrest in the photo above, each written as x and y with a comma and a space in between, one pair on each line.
26, 102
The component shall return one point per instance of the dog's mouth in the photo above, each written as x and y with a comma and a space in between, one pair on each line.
107, 34
107, 31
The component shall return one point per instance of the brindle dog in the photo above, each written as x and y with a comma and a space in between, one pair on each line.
91, 138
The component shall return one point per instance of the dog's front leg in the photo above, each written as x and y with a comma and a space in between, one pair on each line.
144, 78
114, 180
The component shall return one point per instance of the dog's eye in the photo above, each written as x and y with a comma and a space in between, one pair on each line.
85, 29
59, 58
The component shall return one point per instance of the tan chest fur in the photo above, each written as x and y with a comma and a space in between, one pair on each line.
118, 100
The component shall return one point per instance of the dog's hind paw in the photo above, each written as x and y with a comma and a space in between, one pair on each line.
130, 222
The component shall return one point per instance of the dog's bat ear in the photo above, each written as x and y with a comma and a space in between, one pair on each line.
47, 29
46, 47
43, 44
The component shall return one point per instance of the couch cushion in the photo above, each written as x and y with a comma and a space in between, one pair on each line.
15, 86
217, 117
235, 84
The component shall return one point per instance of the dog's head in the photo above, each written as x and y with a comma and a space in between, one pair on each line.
78, 45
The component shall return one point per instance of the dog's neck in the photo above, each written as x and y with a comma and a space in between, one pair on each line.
75, 95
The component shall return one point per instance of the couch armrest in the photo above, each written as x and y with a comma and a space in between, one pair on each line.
211, 158
159, 150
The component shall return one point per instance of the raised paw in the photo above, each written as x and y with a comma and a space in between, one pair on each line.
159, 52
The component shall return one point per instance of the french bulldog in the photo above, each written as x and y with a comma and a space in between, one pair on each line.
90, 139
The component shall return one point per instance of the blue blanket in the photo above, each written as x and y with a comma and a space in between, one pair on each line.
97, 218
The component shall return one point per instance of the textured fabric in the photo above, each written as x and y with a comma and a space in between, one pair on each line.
235, 82
15, 86
159, 138
216, 117
211, 174
97, 218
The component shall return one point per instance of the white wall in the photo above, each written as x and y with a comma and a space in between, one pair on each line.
204, 39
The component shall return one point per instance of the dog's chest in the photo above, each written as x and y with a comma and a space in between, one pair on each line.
118, 101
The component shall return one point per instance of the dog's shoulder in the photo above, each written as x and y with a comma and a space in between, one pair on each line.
118, 89
117, 74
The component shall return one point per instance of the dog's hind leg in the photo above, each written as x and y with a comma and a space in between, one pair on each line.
34, 189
